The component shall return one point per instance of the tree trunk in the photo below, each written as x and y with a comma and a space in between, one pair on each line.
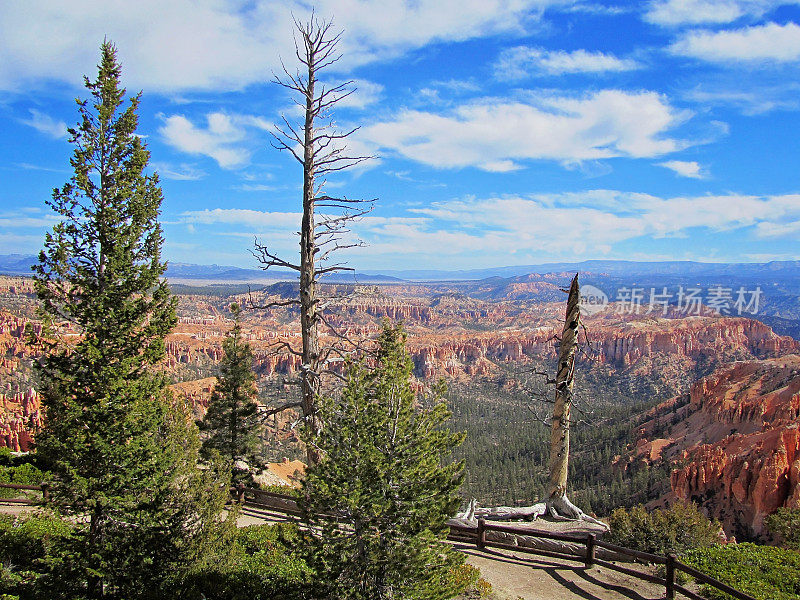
565, 381
557, 504
308, 292
94, 582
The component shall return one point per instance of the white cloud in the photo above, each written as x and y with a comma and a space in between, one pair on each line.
487, 134
182, 172
763, 43
17, 220
223, 137
32, 167
256, 187
758, 101
241, 216
214, 45
513, 228
523, 61
673, 13
501, 166
680, 12
364, 94
691, 169
46, 124
12, 243
779, 230
607, 217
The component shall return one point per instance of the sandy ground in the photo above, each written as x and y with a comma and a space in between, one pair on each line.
513, 576
529, 577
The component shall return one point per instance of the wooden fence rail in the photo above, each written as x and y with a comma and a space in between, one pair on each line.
20, 487
287, 504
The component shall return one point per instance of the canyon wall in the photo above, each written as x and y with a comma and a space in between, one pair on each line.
735, 442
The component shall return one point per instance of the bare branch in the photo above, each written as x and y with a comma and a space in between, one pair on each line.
267, 259
265, 414
282, 345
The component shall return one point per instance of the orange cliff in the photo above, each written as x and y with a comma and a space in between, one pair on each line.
736, 440
667, 347
638, 344
20, 416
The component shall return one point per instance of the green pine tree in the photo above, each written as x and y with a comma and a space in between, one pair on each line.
387, 479
232, 419
122, 452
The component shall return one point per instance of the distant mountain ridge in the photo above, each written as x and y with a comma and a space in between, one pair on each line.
789, 268
20, 264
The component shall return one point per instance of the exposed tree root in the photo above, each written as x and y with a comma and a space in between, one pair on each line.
558, 507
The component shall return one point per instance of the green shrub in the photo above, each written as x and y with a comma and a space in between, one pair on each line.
25, 545
785, 523
671, 531
26, 539
468, 578
22, 474
264, 563
764, 572
281, 489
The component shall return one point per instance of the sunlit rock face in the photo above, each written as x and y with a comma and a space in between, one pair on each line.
20, 416
735, 442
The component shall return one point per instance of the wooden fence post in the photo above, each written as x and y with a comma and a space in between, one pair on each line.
590, 548
481, 533
45, 492
670, 576
240, 493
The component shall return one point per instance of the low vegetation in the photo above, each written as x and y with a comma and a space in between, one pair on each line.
675, 530
19, 470
264, 562
26, 553
785, 523
763, 572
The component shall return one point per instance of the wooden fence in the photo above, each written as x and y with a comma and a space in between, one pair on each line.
287, 505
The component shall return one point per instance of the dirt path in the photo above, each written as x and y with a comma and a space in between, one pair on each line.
529, 577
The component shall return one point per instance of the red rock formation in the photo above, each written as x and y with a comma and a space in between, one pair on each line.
20, 417
196, 392
737, 442
621, 345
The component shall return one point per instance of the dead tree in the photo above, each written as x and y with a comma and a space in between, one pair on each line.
321, 149
557, 504
557, 501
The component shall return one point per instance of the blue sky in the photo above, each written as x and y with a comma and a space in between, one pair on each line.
509, 131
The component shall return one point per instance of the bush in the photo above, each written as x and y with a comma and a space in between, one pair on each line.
25, 545
675, 530
764, 572
468, 578
22, 474
785, 523
264, 563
